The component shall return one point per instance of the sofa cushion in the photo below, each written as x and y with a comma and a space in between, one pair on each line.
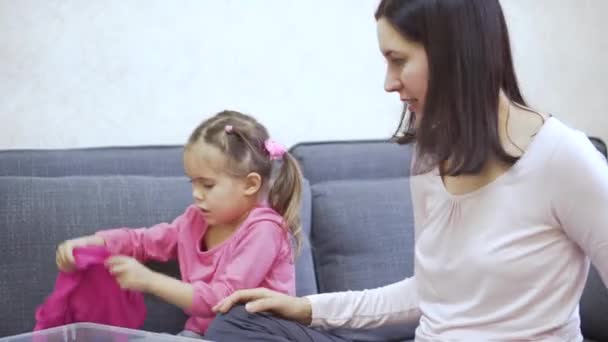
146, 160
352, 160
363, 235
39, 213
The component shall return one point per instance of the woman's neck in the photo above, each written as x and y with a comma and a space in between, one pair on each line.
517, 125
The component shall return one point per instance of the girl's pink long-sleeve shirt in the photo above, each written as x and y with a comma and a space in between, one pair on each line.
258, 254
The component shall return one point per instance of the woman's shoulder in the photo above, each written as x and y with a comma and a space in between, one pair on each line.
572, 162
572, 147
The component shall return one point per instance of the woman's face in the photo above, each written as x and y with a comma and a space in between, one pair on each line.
407, 66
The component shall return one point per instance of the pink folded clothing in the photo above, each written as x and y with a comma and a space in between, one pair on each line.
90, 294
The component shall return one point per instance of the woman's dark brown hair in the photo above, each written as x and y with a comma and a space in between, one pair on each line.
470, 62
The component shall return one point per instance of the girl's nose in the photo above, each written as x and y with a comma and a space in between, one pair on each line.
197, 194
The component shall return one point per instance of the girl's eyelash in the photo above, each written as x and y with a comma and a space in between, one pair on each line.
191, 181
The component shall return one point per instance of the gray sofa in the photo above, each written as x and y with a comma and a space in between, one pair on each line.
356, 212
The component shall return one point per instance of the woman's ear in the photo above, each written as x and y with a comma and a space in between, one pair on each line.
253, 184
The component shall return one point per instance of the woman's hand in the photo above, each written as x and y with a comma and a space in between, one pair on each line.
258, 300
130, 273
64, 256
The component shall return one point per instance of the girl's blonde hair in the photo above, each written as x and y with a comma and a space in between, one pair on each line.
244, 144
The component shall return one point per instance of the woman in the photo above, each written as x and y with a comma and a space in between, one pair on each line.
508, 202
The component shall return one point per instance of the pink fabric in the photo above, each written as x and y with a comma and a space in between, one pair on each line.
258, 254
90, 294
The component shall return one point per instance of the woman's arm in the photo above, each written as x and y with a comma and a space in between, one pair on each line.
580, 200
392, 304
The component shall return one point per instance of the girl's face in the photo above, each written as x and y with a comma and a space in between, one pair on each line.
407, 67
221, 197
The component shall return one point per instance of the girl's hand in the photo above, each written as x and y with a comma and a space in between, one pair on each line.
130, 273
258, 300
64, 256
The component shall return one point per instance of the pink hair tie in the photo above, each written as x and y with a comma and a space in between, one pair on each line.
229, 129
275, 150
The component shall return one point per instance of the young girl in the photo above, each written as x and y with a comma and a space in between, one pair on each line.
237, 234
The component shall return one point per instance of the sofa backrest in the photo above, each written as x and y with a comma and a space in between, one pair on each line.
354, 185
39, 212
159, 161
361, 207
362, 224
372, 159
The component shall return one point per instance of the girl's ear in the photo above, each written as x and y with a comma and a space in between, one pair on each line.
253, 184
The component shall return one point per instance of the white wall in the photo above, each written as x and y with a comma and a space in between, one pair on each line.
118, 72
561, 50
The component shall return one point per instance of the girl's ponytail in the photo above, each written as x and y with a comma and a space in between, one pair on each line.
285, 197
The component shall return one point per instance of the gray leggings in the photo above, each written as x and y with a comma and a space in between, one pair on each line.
239, 325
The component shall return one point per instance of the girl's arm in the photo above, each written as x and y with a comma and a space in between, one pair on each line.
132, 275
250, 263
158, 242
171, 290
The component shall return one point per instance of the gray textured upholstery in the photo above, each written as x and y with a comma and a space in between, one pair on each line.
352, 160
147, 160
41, 212
362, 233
